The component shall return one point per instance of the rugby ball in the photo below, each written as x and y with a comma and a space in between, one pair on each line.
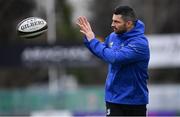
31, 27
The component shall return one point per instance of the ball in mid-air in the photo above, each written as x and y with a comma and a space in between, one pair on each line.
31, 27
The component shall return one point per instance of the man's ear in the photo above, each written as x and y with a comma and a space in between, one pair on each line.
129, 24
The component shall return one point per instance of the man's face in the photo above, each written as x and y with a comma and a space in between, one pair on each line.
118, 24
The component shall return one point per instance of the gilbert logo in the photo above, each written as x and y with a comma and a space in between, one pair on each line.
108, 112
31, 24
110, 44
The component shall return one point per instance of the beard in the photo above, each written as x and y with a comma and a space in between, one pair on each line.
120, 30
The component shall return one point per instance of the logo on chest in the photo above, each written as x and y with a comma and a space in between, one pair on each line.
110, 44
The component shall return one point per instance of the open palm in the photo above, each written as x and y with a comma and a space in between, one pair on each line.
85, 27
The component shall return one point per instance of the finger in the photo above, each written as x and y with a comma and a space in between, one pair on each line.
88, 26
83, 32
80, 20
86, 23
81, 27
78, 23
85, 20
83, 23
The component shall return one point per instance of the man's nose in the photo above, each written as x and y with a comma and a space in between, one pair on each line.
112, 24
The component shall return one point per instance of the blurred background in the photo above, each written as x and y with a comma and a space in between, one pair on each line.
54, 74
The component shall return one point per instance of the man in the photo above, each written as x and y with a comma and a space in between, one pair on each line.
126, 51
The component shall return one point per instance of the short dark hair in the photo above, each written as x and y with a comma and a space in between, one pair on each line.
127, 13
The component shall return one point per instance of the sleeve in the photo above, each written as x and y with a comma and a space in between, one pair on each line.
133, 51
87, 44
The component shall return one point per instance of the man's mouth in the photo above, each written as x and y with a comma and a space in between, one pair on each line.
114, 29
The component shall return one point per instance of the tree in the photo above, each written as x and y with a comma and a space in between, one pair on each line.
66, 32
159, 16
102, 16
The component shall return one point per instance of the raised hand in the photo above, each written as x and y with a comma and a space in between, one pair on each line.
85, 27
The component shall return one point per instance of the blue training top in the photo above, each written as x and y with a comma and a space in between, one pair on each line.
128, 57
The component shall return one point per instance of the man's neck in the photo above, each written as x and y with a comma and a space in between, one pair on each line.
130, 28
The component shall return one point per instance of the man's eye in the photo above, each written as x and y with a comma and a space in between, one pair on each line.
116, 21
